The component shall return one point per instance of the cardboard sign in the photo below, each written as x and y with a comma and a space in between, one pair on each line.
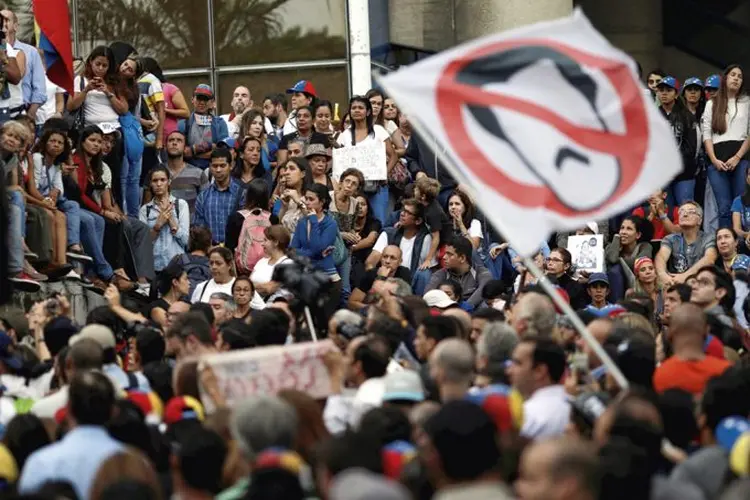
369, 158
587, 252
268, 370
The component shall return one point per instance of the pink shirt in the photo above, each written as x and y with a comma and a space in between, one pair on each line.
170, 123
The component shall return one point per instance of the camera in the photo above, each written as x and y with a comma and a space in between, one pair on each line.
308, 285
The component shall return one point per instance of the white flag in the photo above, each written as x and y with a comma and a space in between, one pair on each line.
547, 125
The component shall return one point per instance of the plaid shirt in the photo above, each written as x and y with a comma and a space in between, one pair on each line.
213, 207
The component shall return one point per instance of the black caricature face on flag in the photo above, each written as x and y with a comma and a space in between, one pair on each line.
547, 125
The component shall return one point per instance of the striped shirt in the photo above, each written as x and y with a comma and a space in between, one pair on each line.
214, 206
188, 183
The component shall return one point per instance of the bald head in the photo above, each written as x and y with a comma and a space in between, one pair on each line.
452, 361
688, 320
534, 315
84, 355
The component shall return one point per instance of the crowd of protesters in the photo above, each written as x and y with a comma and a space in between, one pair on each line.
452, 375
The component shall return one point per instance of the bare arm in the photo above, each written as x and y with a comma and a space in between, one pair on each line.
160, 128
368, 242
181, 109
737, 224
434, 244
662, 257
356, 300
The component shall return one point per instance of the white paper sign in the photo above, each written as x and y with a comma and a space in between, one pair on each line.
370, 159
268, 370
587, 252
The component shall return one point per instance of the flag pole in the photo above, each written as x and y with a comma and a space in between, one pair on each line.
546, 285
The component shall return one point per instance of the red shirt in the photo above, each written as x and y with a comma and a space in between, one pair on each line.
83, 182
659, 232
689, 376
714, 348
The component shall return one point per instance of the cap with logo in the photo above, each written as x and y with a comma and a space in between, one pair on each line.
669, 81
304, 87
204, 90
713, 82
741, 263
693, 81
229, 142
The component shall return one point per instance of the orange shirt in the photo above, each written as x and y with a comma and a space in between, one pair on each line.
689, 376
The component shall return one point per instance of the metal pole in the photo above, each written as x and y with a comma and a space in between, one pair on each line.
74, 19
212, 51
359, 46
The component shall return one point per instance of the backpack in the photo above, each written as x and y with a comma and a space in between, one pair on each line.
197, 270
252, 235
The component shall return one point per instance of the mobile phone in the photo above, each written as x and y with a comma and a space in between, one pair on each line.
579, 364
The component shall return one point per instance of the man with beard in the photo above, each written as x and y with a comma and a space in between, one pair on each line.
242, 100
274, 109
186, 180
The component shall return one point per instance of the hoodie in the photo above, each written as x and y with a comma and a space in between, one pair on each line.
312, 237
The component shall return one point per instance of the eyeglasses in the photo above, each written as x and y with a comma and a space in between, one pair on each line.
554, 259
687, 212
705, 282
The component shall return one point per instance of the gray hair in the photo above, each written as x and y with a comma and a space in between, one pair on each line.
456, 359
262, 422
539, 313
347, 317
403, 289
496, 345
229, 302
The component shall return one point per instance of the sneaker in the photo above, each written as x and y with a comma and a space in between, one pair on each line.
33, 273
86, 283
30, 255
53, 272
73, 276
78, 255
25, 283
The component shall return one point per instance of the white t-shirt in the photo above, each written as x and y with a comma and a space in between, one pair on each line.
390, 127
738, 121
380, 135
263, 271
16, 92
49, 107
48, 406
97, 108
475, 229
203, 292
232, 128
406, 245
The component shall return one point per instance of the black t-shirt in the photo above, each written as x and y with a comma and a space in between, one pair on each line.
365, 284
371, 225
155, 304
436, 220
315, 138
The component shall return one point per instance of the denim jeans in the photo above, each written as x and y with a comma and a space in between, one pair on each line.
379, 204
16, 199
420, 280
130, 180
92, 236
72, 212
680, 191
345, 271
617, 282
15, 240
726, 187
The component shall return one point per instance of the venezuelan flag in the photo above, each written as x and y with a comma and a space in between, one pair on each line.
52, 26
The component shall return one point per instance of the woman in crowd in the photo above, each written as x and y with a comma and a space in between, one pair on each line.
275, 247
243, 292
647, 283
343, 208
256, 204
461, 210
167, 217
318, 158
367, 229
391, 114
305, 132
314, 238
726, 246
630, 244
695, 99
221, 262
364, 131
249, 166
175, 106
173, 285
323, 116
725, 137
291, 191
252, 126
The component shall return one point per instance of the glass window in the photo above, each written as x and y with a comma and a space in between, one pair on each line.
330, 83
174, 33
187, 84
258, 31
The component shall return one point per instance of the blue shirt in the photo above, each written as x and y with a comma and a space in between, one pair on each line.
214, 206
120, 379
166, 244
738, 207
76, 459
34, 83
311, 244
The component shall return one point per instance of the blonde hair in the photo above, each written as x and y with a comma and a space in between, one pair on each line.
428, 187
13, 127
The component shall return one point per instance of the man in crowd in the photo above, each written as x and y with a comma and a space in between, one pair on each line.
34, 84
390, 267
190, 335
598, 289
414, 240
242, 101
536, 371
274, 109
451, 366
220, 199
223, 306
558, 269
186, 180
303, 94
534, 315
713, 291
683, 253
202, 129
460, 267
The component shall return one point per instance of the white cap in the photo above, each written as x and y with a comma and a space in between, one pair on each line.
438, 298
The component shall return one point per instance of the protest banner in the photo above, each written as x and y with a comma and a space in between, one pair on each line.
268, 370
587, 252
370, 159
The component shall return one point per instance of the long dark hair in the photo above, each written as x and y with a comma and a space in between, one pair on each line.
41, 146
159, 168
301, 164
239, 166
247, 119
368, 116
95, 163
721, 101
468, 206
256, 195
150, 65
380, 120
113, 72
701, 107
681, 118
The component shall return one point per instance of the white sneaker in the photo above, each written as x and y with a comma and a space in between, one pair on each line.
72, 276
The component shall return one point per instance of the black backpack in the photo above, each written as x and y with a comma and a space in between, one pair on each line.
196, 268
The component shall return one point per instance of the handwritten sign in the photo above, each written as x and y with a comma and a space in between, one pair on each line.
268, 370
587, 252
369, 158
